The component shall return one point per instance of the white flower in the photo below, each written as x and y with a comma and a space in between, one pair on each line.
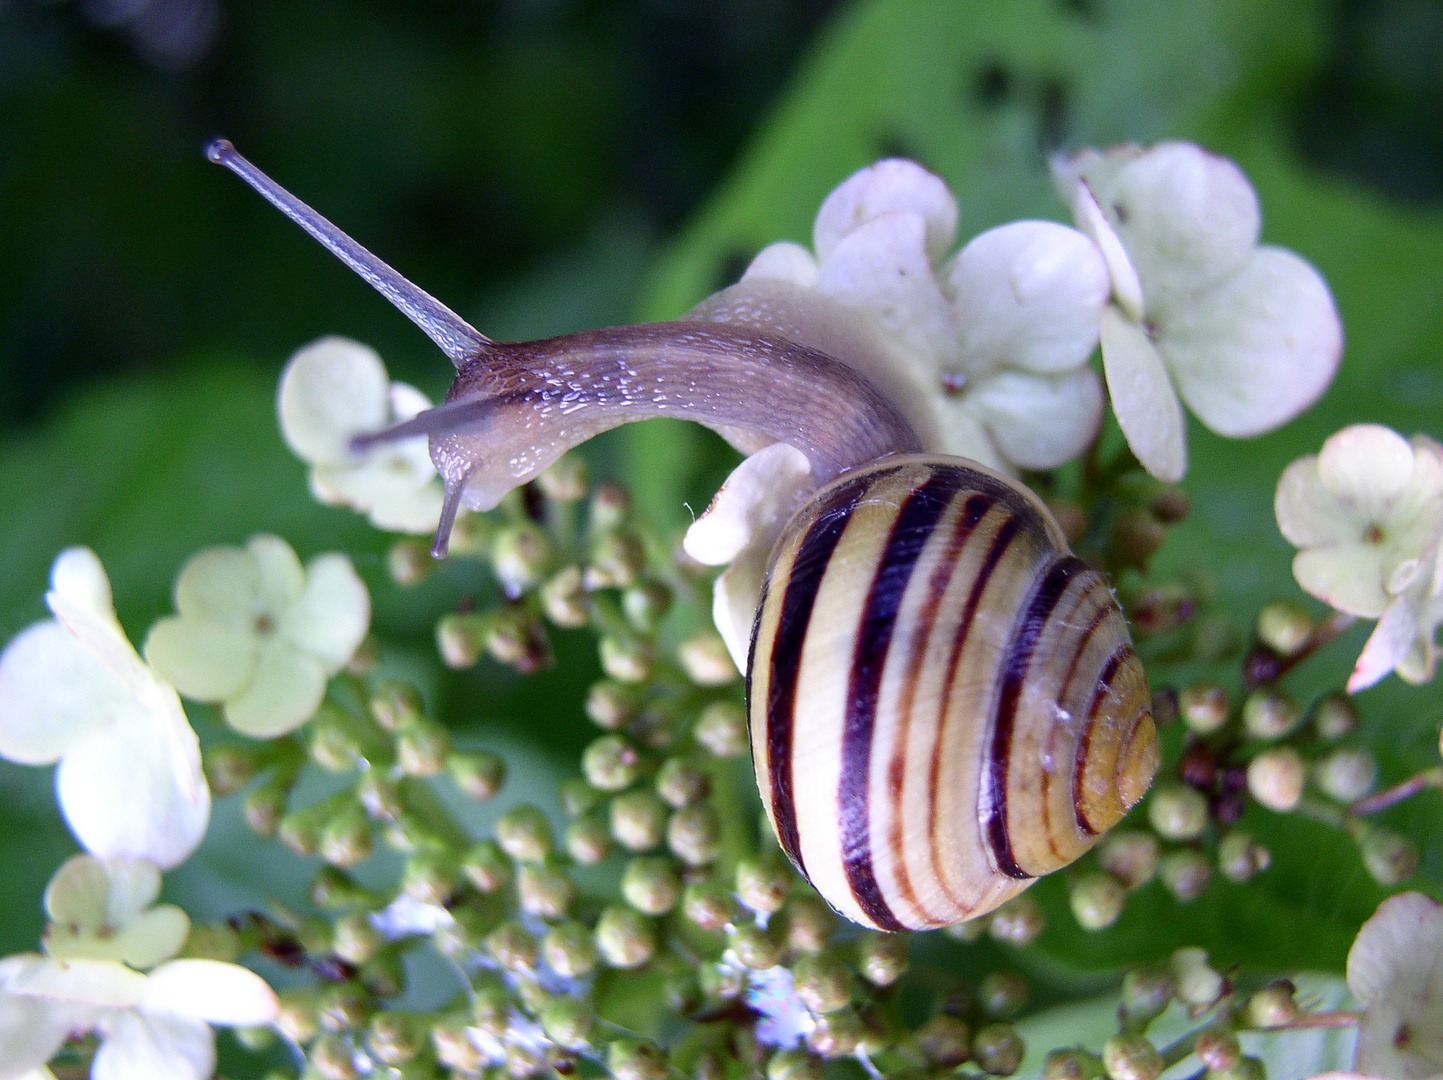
1367, 514
1395, 970
1247, 334
73, 690
335, 389
260, 633
102, 910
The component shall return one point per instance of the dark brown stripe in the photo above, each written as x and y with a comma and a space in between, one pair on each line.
1014, 673
1084, 742
911, 529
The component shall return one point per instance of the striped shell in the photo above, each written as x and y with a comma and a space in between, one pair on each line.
944, 702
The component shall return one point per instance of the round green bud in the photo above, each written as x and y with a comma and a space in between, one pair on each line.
722, 730
579, 797
588, 840
212, 941
625, 938
486, 867
1185, 874
230, 768
638, 820
296, 1015
611, 763
645, 604
1136, 536
1130, 855
998, 1049
454, 1048
1347, 774
356, 938
477, 773
882, 958
491, 1011
461, 638
809, 923
705, 659
944, 1040
266, 805
394, 704
564, 598
1273, 1006
567, 1022
617, 559
694, 834
1270, 714
627, 658
1198, 984
1096, 899
343, 1007
1017, 922
346, 839
333, 744
754, 947
1218, 1049
544, 892
763, 884
524, 833
570, 950
566, 480
1388, 858
651, 884
794, 1065
1177, 812
333, 889
380, 795
332, 1057
422, 747
515, 638
610, 704
722, 982
430, 877
1335, 716
1131, 1057
838, 1034
680, 783
822, 981
1240, 857
1204, 707
520, 555
300, 831
395, 1038
709, 905
383, 976
409, 562
1146, 992
1275, 778
1285, 627
512, 946
633, 1059
1073, 1063
1002, 994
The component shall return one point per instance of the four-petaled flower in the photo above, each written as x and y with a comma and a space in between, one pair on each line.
73, 690
1367, 512
260, 633
1248, 335
335, 389
1395, 970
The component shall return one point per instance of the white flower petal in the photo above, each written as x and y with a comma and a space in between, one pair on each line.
220, 585
784, 261
882, 188
281, 576
406, 402
210, 990
79, 891
396, 491
53, 694
965, 435
142, 1046
1308, 513
415, 511
1387, 645
735, 596
1126, 288
1143, 400
882, 268
1366, 467
1040, 421
206, 661
104, 984
1028, 295
32, 1030
1395, 969
753, 504
287, 689
1256, 350
99, 632
78, 577
153, 936
332, 613
330, 391
136, 789
132, 886
1348, 577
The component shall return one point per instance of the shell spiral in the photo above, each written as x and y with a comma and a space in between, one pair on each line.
944, 701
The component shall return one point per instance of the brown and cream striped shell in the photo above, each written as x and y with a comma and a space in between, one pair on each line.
944, 702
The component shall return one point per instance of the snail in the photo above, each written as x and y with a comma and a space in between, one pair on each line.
944, 702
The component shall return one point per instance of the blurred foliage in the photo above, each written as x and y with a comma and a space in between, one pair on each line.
523, 161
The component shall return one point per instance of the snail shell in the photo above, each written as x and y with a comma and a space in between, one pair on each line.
944, 702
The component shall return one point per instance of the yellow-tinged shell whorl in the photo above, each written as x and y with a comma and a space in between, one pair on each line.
944, 702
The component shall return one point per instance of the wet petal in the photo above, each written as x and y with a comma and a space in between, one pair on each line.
1040, 421
964, 434
281, 576
330, 391
1258, 349
54, 693
1143, 400
888, 187
1028, 295
1347, 576
1308, 513
206, 661
388, 487
735, 596
1126, 288
1367, 467
331, 615
287, 689
1387, 645
757, 498
154, 1046
78, 577
210, 990
220, 585
784, 261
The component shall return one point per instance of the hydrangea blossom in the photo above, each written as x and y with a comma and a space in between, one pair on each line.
1367, 514
73, 690
1247, 335
335, 389
1395, 970
103, 937
260, 633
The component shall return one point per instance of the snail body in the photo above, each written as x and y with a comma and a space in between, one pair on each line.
944, 702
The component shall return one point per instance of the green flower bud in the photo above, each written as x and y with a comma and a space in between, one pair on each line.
566, 480
1146, 992
705, 659
430, 877
680, 783
395, 1038
454, 1048
334, 889
512, 946
755, 948
1131, 1057
520, 555
565, 600
822, 981
617, 559
567, 1022
1218, 1049
1270, 714
809, 923
578, 797
478, 773
1185, 874
266, 805
1074, 1063
300, 831
524, 833
333, 744
1017, 922
461, 638
1240, 857
486, 867
624, 937
544, 892
611, 763
395, 704
1197, 983
794, 1065
633, 1059
491, 1011
1272, 1006
944, 1040
1285, 627
626, 658
1346, 774
1170, 504
694, 834
838, 1034
651, 884
231, 767
588, 840
882, 958
409, 562
610, 704
645, 605
709, 905
762, 885
1204, 707
721, 982
569, 950
1389, 858
356, 938
296, 1016
1002, 994
515, 638
1096, 899
212, 941
722, 730
1335, 716
422, 747
343, 1007
998, 1049
380, 795
315, 933
1177, 812
638, 820
1275, 778
1130, 855
346, 838
332, 1057
1136, 536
